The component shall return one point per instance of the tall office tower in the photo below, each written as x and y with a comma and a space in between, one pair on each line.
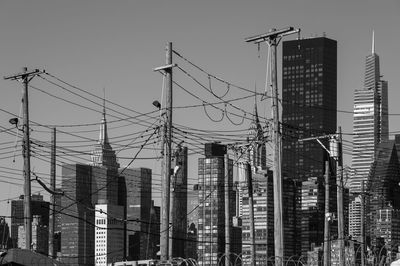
309, 95
370, 127
103, 154
105, 167
109, 233
179, 203
384, 191
213, 180
85, 186
77, 226
39, 207
135, 188
309, 98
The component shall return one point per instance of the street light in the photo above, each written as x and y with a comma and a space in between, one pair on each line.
14, 121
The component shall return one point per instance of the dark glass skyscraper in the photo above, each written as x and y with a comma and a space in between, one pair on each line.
309, 98
309, 95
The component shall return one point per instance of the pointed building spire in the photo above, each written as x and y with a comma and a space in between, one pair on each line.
255, 103
103, 154
103, 137
373, 41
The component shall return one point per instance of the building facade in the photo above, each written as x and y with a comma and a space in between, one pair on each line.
383, 201
309, 99
309, 95
370, 127
136, 186
109, 233
212, 180
39, 208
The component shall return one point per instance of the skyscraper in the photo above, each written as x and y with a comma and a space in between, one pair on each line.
309, 99
136, 190
370, 127
85, 186
213, 179
371, 124
309, 96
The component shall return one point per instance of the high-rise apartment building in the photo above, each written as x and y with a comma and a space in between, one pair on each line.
370, 127
309, 99
213, 179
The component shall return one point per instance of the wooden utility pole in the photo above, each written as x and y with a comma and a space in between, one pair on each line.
52, 197
166, 179
272, 38
327, 249
26, 76
339, 189
227, 212
251, 210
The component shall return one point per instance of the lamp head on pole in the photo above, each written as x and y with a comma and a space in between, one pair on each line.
14, 121
157, 104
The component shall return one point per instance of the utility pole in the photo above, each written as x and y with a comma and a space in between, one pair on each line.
339, 189
335, 151
227, 212
166, 181
251, 209
326, 218
26, 76
52, 197
273, 38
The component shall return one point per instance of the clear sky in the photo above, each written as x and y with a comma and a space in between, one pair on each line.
115, 45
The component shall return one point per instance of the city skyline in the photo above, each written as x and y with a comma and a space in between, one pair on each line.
81, 44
